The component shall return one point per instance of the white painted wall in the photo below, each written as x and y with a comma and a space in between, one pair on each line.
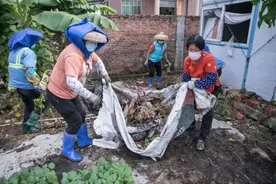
232, 74
261, 76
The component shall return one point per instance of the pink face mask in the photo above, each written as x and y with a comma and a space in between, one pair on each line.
194, 55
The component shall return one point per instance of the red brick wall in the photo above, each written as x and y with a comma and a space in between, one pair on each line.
126, 50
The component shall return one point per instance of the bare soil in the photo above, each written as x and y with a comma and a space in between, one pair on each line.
223, 161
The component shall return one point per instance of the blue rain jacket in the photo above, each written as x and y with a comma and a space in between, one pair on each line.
21, 56
219, 62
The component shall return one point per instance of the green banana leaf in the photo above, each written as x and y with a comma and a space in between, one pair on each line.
48, 3
55, 20
59, 21
103, 8
101, 21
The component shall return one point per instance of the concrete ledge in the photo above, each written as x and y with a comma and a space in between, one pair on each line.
256, 115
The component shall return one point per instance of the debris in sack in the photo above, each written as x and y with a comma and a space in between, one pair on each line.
147, 113
146, 109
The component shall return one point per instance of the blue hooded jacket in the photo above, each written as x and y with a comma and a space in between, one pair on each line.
21, 56
219, 62
24, 38
76, 31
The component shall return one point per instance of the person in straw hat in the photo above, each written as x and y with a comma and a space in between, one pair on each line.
67, 81
154, 56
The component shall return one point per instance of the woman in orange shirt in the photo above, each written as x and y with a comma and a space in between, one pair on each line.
200, 72
67, 81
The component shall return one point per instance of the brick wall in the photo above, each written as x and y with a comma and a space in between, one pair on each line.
192, 24
126, 51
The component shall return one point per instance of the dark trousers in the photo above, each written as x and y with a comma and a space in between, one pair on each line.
28, 96
219, 72
70, 110
155, 66
207, 120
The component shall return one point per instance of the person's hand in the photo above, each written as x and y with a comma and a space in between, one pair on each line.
146, 63
169, 63
107, 79
96, 100
191, 85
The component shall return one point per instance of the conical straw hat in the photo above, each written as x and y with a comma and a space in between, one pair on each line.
161, 36
95, 37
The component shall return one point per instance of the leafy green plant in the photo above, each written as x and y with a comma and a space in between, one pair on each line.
39, 102
36, 175
21, 14
104, 172
39, 14
223, 105
267, 12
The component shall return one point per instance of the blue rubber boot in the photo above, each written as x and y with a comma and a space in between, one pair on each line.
68, 147
158, 82
158, 79
82, 135
150, 82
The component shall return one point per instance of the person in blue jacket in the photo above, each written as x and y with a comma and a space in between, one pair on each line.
220, 63
23, 77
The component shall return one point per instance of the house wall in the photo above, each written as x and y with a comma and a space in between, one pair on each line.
147, 7
232, 74
126, 50
116, 4
261, 76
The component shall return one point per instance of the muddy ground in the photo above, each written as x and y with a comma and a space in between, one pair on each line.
223, 161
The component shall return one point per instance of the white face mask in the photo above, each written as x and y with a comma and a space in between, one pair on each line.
160, 42
91, 46
195, 55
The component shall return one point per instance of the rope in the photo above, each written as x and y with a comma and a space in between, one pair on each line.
263, 46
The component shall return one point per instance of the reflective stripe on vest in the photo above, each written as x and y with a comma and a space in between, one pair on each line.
17, 63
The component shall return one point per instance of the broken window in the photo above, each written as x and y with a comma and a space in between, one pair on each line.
130, 7
231, 20
167, 11
210, 23
240, 30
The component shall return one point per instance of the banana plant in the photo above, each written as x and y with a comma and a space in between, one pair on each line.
17, 13
21, 14
63, 20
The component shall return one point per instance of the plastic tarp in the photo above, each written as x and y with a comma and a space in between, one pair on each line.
111, 124
229, 18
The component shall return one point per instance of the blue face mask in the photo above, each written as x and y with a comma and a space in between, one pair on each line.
91, 46
160, 42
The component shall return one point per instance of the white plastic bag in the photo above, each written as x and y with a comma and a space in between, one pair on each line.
111, 123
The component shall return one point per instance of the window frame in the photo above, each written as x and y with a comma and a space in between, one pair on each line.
132, 5
221, 5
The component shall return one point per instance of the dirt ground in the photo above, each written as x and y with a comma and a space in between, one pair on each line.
223, 161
